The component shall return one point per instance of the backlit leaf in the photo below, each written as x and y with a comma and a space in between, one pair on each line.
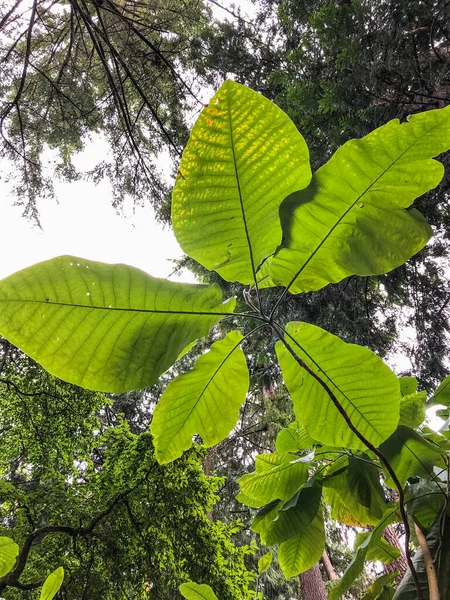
364, 386
202, 401
301, 552
351, 219
244, 156
282, 522
293, 438
194, 591
413, 409
276, 477
442, 394
410, 455
111, 328
264, 563
9, 551
52, 584
383, 551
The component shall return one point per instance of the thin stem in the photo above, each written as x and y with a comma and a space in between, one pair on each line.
280, 333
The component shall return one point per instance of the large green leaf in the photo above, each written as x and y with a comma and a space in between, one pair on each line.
383, 551
363, 385
281, 522
424, 502
52, 584
301, 552
264, 563
9, 551
382, 588
410, 455
442, 394
412, 409
106, 327
293, 438
351, 218
276, 477
356, 566
195, 591
357, 482
243, 158
202, 401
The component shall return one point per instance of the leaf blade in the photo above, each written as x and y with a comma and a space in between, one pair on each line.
107, 327
351, 219
365, 387
192, 401
243, 158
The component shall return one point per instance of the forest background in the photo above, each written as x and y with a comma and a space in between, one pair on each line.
133, 73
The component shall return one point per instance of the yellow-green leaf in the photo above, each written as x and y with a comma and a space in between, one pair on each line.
52, 584
9, 551
351, 220
244, 156
366, 389
107, 327
205, 401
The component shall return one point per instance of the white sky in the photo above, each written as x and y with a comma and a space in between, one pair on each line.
84, 223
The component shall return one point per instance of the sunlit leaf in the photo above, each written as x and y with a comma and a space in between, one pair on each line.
276, 477
408, 385
364, 386
410, 455
9, 551
264, 563
442, 394
424, 502
281, 522
357, 482
52, 584
351, 219
301, 552
106, 327
194, 591
202, 401
413, 409
383, 551
382, 588
244, 156
293, 438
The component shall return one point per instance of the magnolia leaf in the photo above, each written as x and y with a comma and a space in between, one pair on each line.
52, 584
301, 552
442, 394
282, 522
9, 551
293, 438
244, 156
202, 401
412, 409
383, 551
410, 455
382, 588
194, 591
276, 477
356, 566
351, 219
424, 501
264, 563
339, 510
358, 486
408, 385
111, 328
366, 389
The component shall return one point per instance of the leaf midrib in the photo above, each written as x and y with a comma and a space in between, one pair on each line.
117, 308
352, 206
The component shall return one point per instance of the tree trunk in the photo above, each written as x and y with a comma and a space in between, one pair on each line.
328, 566
400, 564
311, 584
